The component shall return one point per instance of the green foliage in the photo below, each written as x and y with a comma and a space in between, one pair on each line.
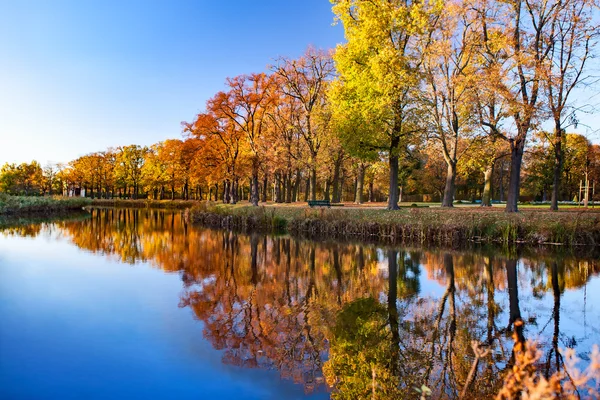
360, 354
377, 67
23, 179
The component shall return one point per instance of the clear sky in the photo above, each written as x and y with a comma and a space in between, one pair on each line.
78, 76
82, 75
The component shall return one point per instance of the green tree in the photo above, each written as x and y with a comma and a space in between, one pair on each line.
379, 72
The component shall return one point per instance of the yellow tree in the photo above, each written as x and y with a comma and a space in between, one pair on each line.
448, 96
154, 171
285, 158
380, 72
128, 167
517, 40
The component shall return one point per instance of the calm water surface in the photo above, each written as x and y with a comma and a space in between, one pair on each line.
138, 304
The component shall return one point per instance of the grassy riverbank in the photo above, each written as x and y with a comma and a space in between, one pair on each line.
410, 225
39, 205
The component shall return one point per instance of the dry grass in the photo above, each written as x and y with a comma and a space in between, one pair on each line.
416, 225
23, 205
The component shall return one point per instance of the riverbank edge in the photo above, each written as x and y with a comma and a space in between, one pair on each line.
145, 203
22, 206
454, 227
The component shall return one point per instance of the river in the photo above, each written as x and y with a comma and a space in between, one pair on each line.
126, 303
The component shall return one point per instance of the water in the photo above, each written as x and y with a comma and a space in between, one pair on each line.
129, 303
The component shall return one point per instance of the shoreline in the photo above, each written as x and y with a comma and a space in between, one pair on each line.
442, 227
456, 227
23, 206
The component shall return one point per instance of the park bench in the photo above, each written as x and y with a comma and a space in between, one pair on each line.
319, 203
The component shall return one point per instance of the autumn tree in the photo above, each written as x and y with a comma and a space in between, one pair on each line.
515, 50
573, 35
305, 80
128, 167
22, 179
285, 156
448, 68
221, 142
154, 171
246, 105
379, 71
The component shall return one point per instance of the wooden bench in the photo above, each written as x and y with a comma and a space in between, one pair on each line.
319, 203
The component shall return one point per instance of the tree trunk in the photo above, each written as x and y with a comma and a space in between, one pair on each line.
336, 178
277, 196
254, 188
326, 194
514, 183
284, 186
288, 187
226, 184
371, 194
486, 198
393, 189
233, 191
265, 188
501, 188
307, 189
360, 181
296, 186
558, 166
313, 182
450, 188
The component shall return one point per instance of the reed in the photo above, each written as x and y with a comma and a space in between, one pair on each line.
423, 226
39, 205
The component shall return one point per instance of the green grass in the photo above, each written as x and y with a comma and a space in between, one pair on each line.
417, 225
22, 205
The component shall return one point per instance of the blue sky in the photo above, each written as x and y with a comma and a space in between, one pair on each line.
79, 76
82, 75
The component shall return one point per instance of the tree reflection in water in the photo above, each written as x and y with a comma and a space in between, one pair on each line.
357, 320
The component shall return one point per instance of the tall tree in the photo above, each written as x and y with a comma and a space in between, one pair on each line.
129, 162
515, 49
573, 35
247, 103
221, 141
379, 71
448, 98
305, 80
